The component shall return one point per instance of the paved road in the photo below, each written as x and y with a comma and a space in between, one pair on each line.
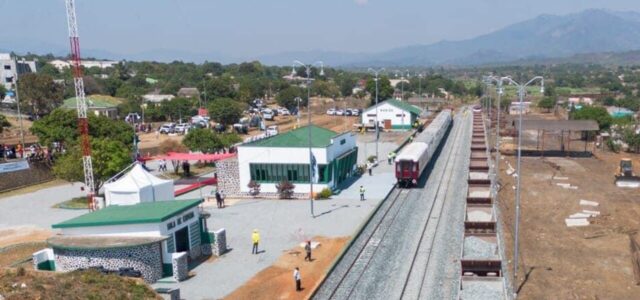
409, 248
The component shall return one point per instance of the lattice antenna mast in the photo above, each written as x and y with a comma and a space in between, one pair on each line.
81, 102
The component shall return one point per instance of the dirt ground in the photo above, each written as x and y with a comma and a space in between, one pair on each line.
11, 135
560, 262
276, 281
22, 234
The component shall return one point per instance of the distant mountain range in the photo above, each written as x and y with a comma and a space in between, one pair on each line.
544, 38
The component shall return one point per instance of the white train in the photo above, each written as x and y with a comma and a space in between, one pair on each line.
414, 157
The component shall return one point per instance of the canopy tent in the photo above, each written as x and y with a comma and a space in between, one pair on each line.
138, 186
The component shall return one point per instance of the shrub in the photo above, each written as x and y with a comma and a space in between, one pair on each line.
254, 188
325, 193
285, 189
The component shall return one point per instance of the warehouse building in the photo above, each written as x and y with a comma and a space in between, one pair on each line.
286, 157
392, 115
156, 239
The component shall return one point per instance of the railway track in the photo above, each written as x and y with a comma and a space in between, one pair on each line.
390, 257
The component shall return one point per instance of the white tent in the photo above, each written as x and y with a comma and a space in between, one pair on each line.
138, 186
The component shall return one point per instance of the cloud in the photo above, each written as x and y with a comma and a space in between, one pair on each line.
361, 2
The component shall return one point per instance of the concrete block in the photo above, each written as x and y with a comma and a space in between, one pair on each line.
588, 203
576, 222
579, 216
593, 213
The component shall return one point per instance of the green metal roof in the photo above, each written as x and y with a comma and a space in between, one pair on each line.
95, 101
148, 212
401, 105
320, 138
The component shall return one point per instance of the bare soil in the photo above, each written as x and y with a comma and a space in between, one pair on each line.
15, 254
276, 281
560, 262
22, 234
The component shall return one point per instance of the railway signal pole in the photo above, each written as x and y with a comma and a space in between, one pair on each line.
81, 103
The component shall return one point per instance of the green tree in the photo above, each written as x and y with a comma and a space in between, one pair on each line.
40, 93
596, 113
229, 139
547, 103
225, 111
3, 91
347, 83
203, 140
385, 90
629, 103
4, 122
609, 101
108, 157
178, 108
61, 125
286, 97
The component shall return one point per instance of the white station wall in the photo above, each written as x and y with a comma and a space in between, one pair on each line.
276, 155
386, 112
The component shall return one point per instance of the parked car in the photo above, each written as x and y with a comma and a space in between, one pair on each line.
347, 112
283, 111
272, 130
339, 112
355, 112
331, 111
268, 114
167, 128
181, 128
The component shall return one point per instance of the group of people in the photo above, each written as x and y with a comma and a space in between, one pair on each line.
142, 127
255, 239
32, 153
219, 194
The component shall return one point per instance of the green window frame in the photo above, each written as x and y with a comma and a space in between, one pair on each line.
296, 173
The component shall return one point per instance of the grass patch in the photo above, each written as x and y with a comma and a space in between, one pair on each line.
73, 285
74, 203
32, 188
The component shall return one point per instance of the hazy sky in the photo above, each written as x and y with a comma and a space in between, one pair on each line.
249, 28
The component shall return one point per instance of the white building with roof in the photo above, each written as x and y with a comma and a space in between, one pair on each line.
286, 156
392, 114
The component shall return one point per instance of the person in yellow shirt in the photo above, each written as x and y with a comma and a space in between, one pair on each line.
255, 237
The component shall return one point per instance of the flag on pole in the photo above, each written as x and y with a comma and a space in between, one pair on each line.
314, 168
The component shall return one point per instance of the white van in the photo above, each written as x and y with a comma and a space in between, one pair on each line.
272, 130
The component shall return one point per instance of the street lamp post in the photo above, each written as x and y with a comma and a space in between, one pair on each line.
521, 92
402, 77
376, 73
308, 71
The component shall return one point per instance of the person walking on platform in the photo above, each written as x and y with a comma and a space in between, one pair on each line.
361, 193
307, 249
255, 238
296, 277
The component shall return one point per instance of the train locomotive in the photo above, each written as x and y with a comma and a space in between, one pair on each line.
414, 157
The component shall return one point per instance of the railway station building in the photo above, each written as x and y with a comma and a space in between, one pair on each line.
286, 157
392, 115
153, 239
